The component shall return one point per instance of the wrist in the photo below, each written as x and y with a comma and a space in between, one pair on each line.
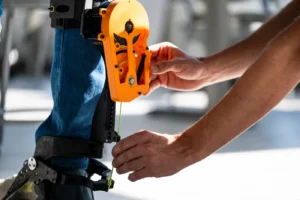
209, 71
183, 147
199, 141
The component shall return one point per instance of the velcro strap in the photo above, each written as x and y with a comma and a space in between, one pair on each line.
48, 147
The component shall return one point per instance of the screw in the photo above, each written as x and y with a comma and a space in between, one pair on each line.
121, 70
131, 81
103, 11
147, 48
140, 93
129, 27
102, 36
116, 66
51, 9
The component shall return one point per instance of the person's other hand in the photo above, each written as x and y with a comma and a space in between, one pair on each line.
148, 154
174, 69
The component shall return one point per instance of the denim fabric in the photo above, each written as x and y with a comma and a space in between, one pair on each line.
77, 80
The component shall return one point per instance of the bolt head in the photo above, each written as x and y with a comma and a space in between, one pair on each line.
32, 163
129, 27
131, 81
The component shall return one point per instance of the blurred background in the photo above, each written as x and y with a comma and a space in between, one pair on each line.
263, 163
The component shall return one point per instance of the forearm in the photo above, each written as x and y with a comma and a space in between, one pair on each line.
262, 87
234, 61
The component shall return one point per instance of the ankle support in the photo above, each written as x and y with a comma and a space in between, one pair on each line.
38, 168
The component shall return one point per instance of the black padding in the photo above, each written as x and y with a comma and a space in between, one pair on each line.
48, 147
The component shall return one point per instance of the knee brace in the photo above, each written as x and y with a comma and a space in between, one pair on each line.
119, 29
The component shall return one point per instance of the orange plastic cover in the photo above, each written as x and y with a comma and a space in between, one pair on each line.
125, 31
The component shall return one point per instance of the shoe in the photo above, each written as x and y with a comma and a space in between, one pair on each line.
47, 191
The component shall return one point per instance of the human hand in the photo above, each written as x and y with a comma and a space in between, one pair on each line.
149, 154
174, 69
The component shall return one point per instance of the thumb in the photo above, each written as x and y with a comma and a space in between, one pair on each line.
167, 66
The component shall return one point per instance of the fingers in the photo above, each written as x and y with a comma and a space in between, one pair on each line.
127, 156
129, 142
153, 77
154, 85
139, 174
168, 66
133, 165
157, 48
161, 49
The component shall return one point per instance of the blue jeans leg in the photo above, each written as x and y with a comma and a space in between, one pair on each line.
77, 80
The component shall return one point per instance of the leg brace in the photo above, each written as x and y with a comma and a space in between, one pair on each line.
123, 44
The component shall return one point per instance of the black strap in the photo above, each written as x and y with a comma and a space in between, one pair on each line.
48, 147
37, 171
101, 185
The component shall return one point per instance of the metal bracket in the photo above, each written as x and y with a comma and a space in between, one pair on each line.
37, 171
66, 14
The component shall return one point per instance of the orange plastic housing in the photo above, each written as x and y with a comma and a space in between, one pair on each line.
125, 31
